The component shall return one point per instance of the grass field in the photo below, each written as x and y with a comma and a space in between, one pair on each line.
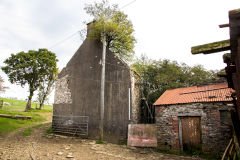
17, 107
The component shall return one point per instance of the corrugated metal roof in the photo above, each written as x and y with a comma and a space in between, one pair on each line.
209, 93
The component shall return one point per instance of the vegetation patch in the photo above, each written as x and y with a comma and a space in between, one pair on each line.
41, 110
196, 153
99, 142
8, 125
48, 131
29, 130
122, 142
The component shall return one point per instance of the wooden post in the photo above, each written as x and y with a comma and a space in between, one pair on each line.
1, 104
102, 89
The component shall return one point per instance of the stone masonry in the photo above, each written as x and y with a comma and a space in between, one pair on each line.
215, 135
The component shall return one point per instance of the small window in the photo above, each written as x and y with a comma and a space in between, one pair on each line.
225, 117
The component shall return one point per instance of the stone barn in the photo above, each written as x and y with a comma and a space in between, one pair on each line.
195, 118
76, 109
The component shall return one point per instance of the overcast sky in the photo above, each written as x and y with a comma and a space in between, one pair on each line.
163, 29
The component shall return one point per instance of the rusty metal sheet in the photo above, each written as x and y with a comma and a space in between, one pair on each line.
142, 135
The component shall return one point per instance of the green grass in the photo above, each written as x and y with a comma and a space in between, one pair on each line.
29, 130
99, 142
18, 105
196, 153
122, 142
8, 125
48, 131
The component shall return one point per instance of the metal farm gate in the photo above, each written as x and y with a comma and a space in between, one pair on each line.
70, 125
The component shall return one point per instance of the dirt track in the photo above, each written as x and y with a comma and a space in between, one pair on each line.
38, 146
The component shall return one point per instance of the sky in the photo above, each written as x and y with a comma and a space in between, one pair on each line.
163, 29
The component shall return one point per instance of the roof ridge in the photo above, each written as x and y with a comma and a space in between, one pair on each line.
203, 90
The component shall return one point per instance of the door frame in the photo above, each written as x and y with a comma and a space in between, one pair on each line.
180, 130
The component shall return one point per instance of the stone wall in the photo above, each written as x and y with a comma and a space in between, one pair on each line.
63, 92
214, 135
135, 98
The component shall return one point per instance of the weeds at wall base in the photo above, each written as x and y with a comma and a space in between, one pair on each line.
196, 153
99, 142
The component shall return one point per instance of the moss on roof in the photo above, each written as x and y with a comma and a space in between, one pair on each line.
211, 47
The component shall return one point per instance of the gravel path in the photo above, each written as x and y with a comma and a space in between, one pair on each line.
38, 146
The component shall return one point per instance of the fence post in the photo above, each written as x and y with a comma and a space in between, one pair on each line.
1, 104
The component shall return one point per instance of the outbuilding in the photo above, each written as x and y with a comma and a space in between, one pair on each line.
195, 118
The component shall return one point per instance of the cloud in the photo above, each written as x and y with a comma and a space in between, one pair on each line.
163, 29
27, 25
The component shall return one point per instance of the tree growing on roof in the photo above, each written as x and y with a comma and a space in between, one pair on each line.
114, 25
32, 68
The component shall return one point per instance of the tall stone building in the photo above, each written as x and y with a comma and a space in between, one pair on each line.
76, 109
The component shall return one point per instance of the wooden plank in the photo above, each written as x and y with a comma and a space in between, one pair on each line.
224, 25
15, 116
211, 47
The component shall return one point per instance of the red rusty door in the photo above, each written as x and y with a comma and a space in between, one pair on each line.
191, 138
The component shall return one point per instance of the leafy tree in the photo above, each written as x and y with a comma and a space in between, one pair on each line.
114, 25
197, 75
32, 68
46, 86
2, 87
158, 76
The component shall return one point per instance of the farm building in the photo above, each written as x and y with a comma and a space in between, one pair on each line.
195, 118
76, 109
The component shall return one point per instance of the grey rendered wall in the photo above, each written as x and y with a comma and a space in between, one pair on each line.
78, 91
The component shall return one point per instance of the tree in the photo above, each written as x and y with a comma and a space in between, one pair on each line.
46, 86
30, 68
158, 76
112, 27
2, 87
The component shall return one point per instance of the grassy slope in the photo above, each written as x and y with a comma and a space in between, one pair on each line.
16, 108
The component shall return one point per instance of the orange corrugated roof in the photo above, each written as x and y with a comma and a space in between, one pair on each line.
209, 93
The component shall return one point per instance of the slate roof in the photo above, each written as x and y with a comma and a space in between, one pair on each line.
210, 93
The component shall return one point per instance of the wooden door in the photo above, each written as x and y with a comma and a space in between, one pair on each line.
191, 138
